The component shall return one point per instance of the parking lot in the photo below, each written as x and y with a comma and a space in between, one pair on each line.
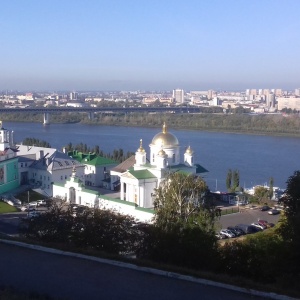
9, 222
247, 216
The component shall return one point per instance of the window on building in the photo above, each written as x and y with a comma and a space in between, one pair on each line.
61, 177
21, 165
173, 157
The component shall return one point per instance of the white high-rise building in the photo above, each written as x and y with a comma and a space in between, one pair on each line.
178, 95
270, 100
73, 96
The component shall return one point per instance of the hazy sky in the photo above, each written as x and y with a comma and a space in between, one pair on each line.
149, 44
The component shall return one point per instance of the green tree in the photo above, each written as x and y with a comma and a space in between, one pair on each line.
184, 229
35, 142
235, 180
291, 200
271, 186
232, 180
261, 194
184, 200
289, 224
228, 179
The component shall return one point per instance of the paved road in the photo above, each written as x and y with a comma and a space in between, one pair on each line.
66, 277
9, 222
247, 216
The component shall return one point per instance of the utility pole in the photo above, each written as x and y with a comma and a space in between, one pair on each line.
28, 204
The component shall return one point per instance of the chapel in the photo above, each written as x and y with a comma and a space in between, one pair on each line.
139, 176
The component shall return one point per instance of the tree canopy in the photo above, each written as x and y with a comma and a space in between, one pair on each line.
184, 200
35, 142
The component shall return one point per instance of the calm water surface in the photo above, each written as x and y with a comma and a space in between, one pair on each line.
256, 157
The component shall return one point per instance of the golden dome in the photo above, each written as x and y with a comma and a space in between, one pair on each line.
162, 153
165, 138
189, 150
141, 149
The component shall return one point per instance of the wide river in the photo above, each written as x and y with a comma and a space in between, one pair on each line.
257, 157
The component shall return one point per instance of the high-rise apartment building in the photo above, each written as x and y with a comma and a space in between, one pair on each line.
266, 92
73, 96
271, 100
209, 94
178, 95
251, 92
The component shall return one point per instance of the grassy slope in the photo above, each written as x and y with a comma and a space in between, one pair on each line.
6, 208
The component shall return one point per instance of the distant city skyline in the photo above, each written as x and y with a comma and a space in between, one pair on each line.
149, 45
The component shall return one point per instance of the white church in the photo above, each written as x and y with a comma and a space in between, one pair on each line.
137, 177
139, 180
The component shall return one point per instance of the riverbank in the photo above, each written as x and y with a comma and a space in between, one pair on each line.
178, 122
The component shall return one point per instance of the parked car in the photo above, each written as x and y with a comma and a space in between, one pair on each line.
220, 236
227, 232
260, 226
235, 230
265, 208
247, 228
33, 203
41, 202
273, 212
254, 229
23, 208
264, 222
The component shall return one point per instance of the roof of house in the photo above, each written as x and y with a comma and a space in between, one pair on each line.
7, 150
33, 150
141, 174
91, 158
57, 160
200, 169
184, 168
125, 165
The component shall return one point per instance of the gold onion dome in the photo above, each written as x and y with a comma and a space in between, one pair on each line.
165, 138
162, 153
189, 150
141, 149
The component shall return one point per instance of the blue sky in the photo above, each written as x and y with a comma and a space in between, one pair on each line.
149, 44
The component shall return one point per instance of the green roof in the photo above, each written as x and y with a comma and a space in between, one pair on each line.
99, 161
200, 169
142, 174
91, 158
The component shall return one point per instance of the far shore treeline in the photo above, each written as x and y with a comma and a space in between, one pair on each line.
211, 119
